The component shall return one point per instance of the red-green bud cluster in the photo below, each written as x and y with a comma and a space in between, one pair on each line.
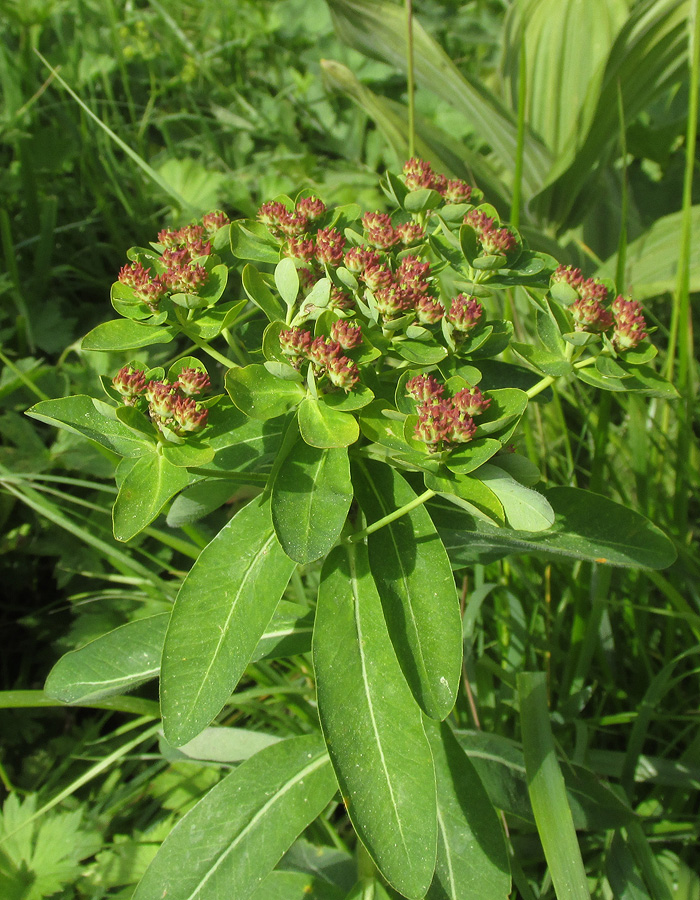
311, 207
347, 334
430, 311
191, 238
567, 275
419, 174
169, 408
130, 383
325, 355
302, 248
629, 324
379, 230
214, 220
410, 233
494, 240
591, 316
340, 299
444, 422
359, 259
465, 313
149, 290
193, 382
185, 279
329, 246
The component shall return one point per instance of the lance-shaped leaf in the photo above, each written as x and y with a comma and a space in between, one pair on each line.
221, 611
311, 496
472, 859
415, 581
127, 657
586, 526
94, 420
125, 334
372, 725
235, 835
148, 484
525, 509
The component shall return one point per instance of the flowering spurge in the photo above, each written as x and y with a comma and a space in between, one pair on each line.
193, 382
419, 174
465, 314
149, 289
629, 324
167, 407
130, 383
325, 355
444, 422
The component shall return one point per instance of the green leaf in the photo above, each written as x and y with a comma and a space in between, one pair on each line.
94, 420
188, 454
322, 426
470, 493
422, 353
543, 360
127, 657
260, 294
586, 526
251, 240
372, 726
283, 885
472, 859
472, 455
368, 889
357, 398
124, 334
261, 395
287, 280
119, 661
525, 509
221, 611
235, 835
148, 483
547, 791
381, 423
217, 279
224, 745
311, 496
416, 586
638, 380
507, 407
211, 322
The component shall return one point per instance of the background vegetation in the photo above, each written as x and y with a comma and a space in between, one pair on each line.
590, 145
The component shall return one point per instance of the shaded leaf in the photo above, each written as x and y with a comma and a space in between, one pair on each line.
147, 485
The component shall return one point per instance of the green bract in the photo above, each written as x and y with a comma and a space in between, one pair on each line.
369, 401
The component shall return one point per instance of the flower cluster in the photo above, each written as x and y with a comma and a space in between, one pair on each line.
465, 314
494, 240
419, 174
444, 422
181, 272
171, 405
590, 313
324, 354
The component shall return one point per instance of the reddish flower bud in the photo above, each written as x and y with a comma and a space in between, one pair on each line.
412, 276
329, 246
463, 429
347, 334
322, 351
161, 400
457, 191
592, 289
130, 383
214, 220
311, 207
567, 275
465, 313
498, 241
342, 372
302, 248
270, 213
410, 233
295, 342
193, 382
418, 174
340, 299
429, 311
629, 324
173, 257
293, 224
391, 301
188, 416
435, 423
425, 389
479, 221
186, 279
591, 315
357, 259
134, 275
470, 401
377, 276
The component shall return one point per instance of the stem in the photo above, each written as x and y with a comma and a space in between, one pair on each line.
410, 81
545, 382
386, 520
202, 344
27, 382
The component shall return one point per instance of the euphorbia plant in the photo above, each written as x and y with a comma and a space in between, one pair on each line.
364, 401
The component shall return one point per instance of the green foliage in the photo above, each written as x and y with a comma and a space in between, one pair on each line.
450, 578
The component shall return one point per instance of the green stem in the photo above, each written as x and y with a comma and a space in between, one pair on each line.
545, 382
386, 520
27, 382
410, 80
202, 344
